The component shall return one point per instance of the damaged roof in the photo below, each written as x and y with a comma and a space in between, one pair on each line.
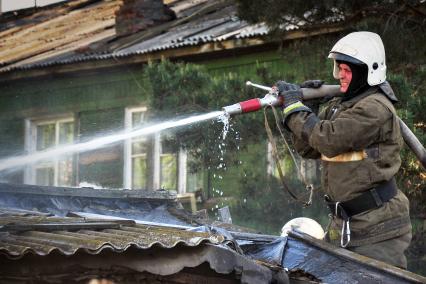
25, 232
85, 30
36, 239
155, 206
39, 247
55, 31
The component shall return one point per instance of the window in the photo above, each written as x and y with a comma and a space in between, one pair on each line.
45, 134
150, 163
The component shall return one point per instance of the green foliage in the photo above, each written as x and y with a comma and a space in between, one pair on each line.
311, 14
178, 88
182, 89
411, 177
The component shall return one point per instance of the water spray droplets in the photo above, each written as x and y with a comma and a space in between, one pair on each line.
224, 118
221, 167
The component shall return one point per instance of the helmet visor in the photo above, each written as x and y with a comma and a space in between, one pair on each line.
343, 57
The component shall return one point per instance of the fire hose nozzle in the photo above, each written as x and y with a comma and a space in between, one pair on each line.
251, 105
233, 109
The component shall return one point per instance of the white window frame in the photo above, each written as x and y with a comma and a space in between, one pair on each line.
31, 145
155, 179
127, 179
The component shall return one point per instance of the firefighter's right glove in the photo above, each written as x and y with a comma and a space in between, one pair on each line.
292, 99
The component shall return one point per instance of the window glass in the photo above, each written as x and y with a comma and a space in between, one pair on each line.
139, 172
45, 136
58, 171
66, 132
65, 171
139, 153
168, 163
138, 118
194, 180
45, 176
168, 173
139, 147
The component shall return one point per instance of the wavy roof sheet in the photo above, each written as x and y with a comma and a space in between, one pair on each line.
30, 232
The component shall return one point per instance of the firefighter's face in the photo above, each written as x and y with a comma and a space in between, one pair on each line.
345, 77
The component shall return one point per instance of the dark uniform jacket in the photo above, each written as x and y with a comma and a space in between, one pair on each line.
358, 141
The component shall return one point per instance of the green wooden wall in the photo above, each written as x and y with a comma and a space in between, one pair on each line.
97, 102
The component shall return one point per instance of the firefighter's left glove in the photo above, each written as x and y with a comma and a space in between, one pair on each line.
291, 95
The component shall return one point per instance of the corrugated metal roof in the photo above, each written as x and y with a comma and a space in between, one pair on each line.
157, 206
30, 232
84, 30
73, 34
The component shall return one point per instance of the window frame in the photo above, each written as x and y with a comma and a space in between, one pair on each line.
154, 176
31, 124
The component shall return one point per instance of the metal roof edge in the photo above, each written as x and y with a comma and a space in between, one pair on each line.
354, 257
86, 192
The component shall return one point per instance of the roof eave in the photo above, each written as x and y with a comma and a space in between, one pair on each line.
173, 53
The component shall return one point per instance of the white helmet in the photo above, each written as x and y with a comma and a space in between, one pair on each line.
358, 48
304, 225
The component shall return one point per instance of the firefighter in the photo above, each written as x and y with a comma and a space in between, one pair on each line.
357, 137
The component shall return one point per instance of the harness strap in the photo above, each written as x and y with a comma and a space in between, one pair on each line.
277, 159
372, 199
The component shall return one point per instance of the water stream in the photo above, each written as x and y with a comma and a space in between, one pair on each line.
19, 161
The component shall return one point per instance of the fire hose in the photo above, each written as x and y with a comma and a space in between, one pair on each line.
272, 99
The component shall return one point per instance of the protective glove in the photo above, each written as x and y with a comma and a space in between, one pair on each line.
292, 98
291, 93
